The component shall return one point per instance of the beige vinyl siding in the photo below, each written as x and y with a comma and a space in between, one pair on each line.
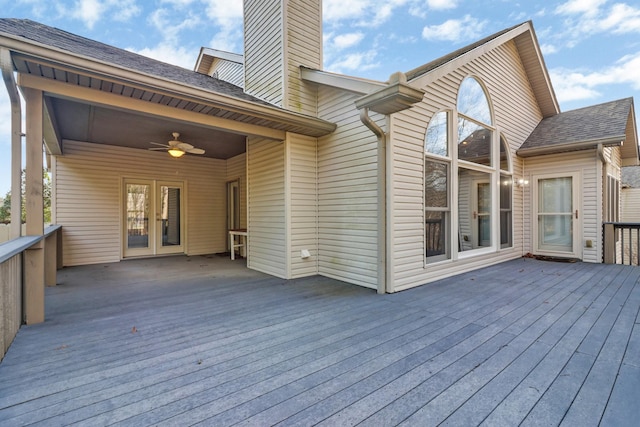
88, 192
590, 208
515, 115
237, 170
347, 193
303, 204
303, 47
266, 207
263, 50
630, 205
232, 72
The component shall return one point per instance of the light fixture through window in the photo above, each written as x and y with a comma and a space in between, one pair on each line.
176, 152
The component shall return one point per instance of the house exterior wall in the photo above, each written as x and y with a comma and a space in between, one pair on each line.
630, 205
347, 192
587, 165
302, 204
266, 214
515, 115
280, 36
229, 71
88, 192
237, 170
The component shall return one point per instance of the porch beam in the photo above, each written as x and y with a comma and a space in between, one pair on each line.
52, 139
93, 97
6, 65
34, 257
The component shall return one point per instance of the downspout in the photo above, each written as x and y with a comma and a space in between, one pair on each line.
396, 96
6, 66
382, 198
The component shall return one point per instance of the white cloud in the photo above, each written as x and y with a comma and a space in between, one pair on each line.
180, 56
548, 49
344, 41
336, 10
365, 13
355, 61
88, 11
586, 7
442, 4
227, 16
572, 85
455, 30
622, 18
92, 11
585, 18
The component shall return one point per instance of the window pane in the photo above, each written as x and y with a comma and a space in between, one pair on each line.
436, 179
436, 141
555, 195
436, 227
474, 209
506, 185
473, 102
504, 161
170, 215
137, 216
474, 142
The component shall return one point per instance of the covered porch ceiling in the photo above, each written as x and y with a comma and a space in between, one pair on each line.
78, 121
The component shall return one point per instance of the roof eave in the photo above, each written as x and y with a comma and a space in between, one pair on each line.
546, 95
316, 127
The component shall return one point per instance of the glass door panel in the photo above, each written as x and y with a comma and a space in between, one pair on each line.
169, 218
556, 214
138, 205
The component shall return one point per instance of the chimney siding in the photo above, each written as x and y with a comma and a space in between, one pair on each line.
279, 37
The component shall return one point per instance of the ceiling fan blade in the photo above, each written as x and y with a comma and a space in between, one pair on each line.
184, 146
156, 143
157, 149
195, 151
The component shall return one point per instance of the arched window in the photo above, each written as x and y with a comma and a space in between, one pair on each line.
467, 173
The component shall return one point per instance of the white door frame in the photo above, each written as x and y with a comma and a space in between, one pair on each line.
154, 220
576, 215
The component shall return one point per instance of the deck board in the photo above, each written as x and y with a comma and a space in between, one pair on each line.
202, 340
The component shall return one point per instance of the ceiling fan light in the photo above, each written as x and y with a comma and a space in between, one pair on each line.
176, 152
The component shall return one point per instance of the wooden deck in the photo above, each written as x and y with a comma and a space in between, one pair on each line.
182, 341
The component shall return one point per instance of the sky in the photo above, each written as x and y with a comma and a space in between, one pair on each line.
591, 47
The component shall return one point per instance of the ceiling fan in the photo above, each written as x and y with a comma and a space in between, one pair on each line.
177, 148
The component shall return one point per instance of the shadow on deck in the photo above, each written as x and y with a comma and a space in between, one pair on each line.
186, 340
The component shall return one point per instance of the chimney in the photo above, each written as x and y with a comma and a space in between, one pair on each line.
279, 37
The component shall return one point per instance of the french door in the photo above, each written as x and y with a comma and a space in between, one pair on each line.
556, 228
153, 218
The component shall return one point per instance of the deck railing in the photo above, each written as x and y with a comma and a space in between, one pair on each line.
621, 243
12, 294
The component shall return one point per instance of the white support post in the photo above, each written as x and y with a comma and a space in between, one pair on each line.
34, 266
6, 65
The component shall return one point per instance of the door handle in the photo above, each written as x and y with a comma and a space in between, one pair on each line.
475, 215
576, 213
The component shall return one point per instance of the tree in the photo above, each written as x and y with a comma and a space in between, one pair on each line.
5, 208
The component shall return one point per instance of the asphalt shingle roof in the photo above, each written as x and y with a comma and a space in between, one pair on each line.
631, 176
59, 39
597, 122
